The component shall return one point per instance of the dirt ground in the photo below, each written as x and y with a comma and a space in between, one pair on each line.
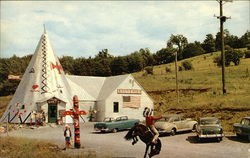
182, 145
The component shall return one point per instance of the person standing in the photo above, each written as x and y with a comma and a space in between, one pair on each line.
150, 120
67, 135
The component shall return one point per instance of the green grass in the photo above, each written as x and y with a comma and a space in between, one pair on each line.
201, 104
11, 147
205, 75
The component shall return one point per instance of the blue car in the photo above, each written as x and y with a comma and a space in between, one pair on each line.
114, 125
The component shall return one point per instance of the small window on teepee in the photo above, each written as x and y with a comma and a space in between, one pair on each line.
23, 106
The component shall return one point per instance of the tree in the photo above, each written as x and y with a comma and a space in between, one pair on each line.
231, 40
245, 39
165, 55
209, 43
101, 67
119, 66
135, 62
218, 39
147, 57
192, 49
103, 54
67, 63
178, 40
84, 67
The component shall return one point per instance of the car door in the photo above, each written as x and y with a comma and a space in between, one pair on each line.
184, 123
177, 122
246, 126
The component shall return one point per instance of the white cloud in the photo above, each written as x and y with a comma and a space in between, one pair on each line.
84, 28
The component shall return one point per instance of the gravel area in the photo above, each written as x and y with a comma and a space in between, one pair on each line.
182, 145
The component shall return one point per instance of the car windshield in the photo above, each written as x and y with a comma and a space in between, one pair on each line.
108, 120
209, 121
164, 119
245, 122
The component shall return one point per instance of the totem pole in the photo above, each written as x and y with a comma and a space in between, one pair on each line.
76, 114
76, 122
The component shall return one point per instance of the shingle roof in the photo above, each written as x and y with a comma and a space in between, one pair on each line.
98, 87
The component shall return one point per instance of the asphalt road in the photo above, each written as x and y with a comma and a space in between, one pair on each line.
183, 145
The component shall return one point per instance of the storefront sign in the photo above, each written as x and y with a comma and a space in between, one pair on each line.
128, 91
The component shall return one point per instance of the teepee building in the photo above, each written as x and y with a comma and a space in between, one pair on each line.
45, 87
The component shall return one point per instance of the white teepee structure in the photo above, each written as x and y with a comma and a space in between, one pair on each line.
43, 87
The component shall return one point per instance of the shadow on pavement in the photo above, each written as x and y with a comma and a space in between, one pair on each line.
238, 139
178, 133
195, 140
108, 132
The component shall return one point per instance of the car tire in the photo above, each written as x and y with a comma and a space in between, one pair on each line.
194, 127
199, 139
238, 135
219, 139
173, 132
114, 130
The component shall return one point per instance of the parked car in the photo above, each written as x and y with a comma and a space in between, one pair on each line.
209, 127
175, 123
243, 128
114, 125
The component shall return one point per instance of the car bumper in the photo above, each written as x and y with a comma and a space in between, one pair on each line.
162, 131
211, 136
102, 129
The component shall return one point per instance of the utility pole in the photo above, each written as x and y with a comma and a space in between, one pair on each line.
222, 20
176, 77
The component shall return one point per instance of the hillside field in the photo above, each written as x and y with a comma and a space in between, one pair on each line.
195, 103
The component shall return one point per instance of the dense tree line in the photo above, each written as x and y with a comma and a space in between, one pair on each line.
105, 64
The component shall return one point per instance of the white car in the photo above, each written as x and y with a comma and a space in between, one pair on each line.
175, 123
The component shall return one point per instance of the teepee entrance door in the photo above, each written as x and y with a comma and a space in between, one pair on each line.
52, 112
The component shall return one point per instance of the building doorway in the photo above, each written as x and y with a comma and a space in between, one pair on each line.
52, 112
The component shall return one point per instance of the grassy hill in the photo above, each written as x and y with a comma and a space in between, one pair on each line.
205, 75
195, 103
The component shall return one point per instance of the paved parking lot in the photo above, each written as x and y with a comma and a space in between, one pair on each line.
183, 145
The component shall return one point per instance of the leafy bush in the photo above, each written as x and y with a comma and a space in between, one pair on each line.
187, 65
218, 60
180, 68
168, 69
247, 54
248, 46
231, 55
227, 47
149, 70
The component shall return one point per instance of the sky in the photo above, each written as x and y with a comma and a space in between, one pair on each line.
83, 28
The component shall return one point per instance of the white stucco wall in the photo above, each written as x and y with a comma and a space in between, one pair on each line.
101, 108
133, 113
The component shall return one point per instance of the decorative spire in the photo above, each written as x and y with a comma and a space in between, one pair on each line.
44, 28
